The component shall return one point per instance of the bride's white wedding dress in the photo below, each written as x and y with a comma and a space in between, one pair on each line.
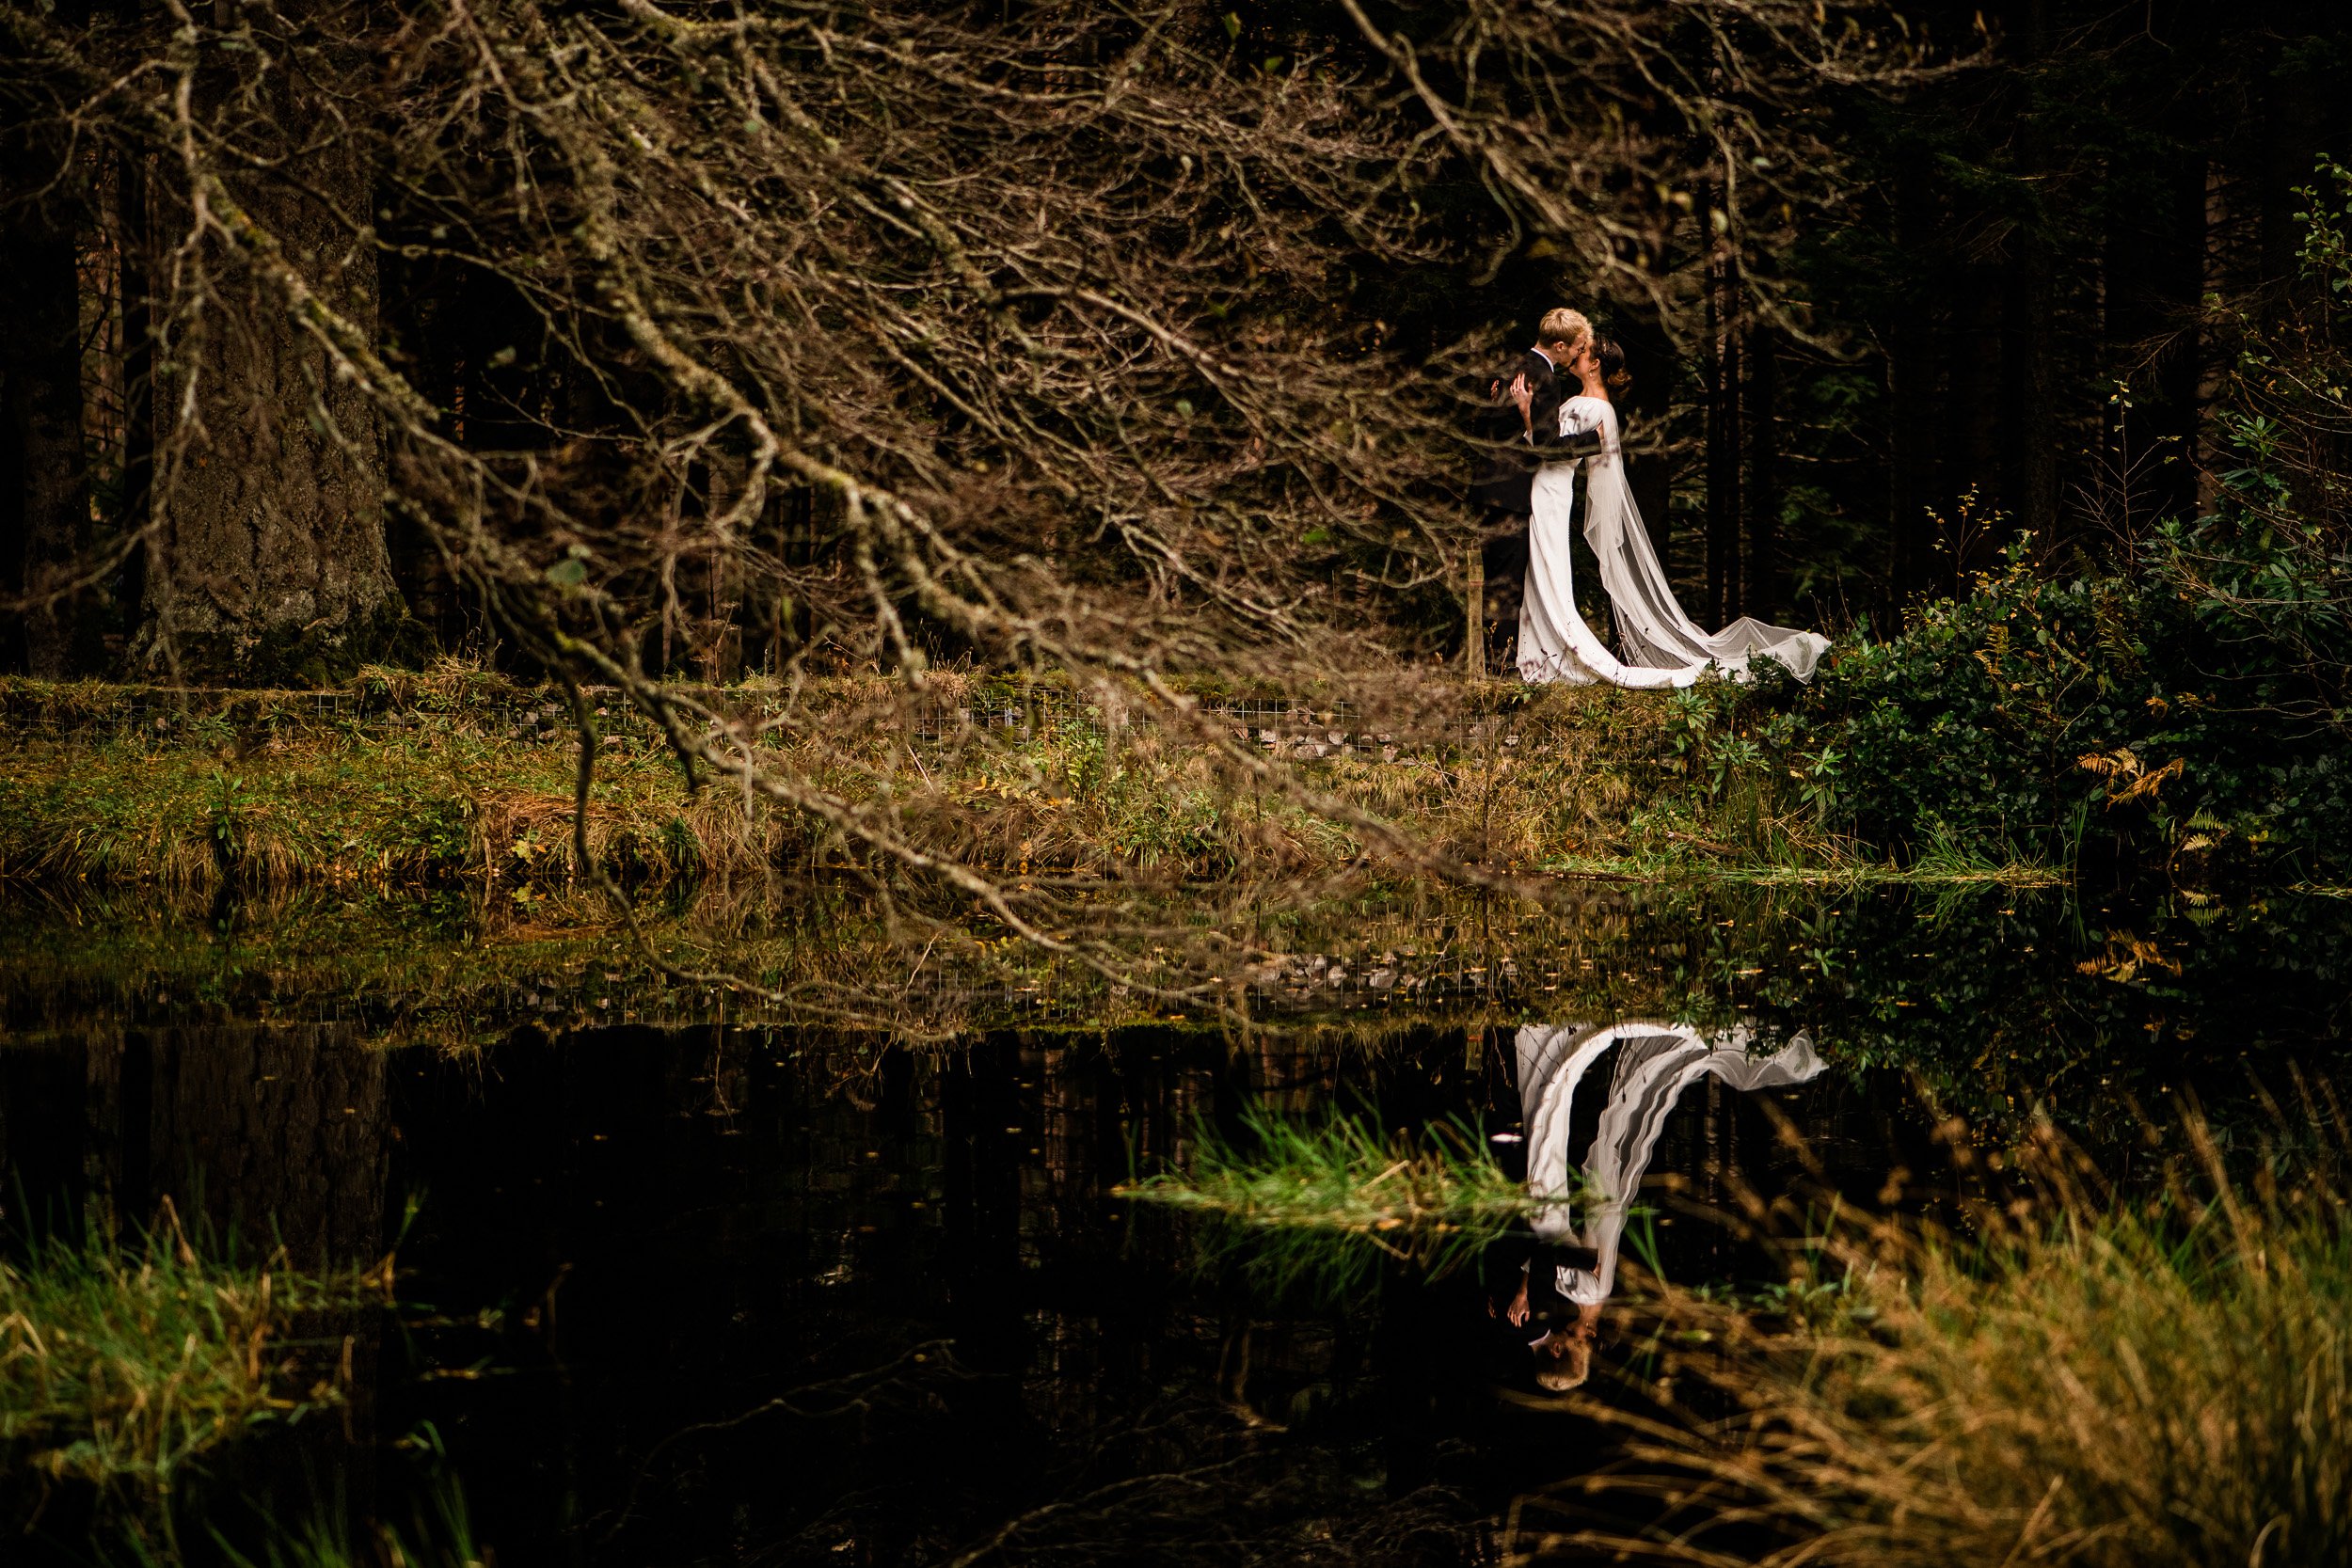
1656, 1063
1663, 647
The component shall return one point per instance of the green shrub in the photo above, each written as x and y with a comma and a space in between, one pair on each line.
2186, 707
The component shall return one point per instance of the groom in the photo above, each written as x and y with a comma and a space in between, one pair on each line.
1526, 408
1535, 389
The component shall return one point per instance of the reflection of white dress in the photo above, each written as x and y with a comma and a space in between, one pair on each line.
1663, 645
1659, 1061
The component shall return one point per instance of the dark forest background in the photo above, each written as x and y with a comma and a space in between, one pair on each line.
2023, 315
2015, 303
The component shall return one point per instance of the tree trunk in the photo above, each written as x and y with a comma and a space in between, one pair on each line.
1910, 382
1977, 428
136, 255
271, 562
1723, 437
44, 498
2294, 132
2153, 278
2033, 439
1763, 487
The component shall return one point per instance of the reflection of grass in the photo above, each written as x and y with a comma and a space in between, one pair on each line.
1327, 1199
125, 1361
1797, 873
2155, 1383
1780, 860
441, 1537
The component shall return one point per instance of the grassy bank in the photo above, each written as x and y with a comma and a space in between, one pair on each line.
126, 1361
474, 788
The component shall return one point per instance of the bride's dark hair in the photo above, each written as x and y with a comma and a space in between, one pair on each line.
1611, 359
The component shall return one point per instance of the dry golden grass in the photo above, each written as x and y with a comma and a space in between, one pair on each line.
2118, 1384
444, 802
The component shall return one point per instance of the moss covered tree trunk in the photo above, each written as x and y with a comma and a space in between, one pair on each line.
270, 562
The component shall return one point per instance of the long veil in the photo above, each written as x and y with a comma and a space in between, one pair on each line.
1663, 645
1656, 1063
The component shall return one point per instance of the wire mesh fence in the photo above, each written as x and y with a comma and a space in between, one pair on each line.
990, 712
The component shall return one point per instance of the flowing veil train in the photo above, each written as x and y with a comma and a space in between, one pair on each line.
1656, 1063
1663, 646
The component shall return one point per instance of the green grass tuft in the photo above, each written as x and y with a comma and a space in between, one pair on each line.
1326, 1203
440, 1536
124, 1361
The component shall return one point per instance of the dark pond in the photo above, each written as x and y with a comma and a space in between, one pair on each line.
698, 1291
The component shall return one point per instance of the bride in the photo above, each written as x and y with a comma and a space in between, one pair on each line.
1663, 647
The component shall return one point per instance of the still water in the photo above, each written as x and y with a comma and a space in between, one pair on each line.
683, 1287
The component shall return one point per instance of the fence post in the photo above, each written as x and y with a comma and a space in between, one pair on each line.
1475, 646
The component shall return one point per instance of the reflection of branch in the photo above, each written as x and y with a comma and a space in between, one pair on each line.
1247, 1506
852, 1392
1116, 1489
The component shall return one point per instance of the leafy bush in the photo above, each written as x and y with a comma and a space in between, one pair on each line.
2191, 704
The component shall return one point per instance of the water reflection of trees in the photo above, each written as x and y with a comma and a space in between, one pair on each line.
662, 1231
267, 1137
260, 1141
2000, 1000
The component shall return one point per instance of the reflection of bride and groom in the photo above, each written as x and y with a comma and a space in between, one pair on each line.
1590, 1166
1566, 390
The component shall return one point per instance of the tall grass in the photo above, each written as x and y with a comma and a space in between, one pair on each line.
2150, 1383
440, 1536
124, 1361
1324, 1202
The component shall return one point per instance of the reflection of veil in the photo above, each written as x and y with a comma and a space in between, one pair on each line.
1663, 646
1657, 1063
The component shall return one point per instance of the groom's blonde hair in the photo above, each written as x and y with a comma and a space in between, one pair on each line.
1563, 325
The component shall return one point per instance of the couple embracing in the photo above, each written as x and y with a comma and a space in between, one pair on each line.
1565, 392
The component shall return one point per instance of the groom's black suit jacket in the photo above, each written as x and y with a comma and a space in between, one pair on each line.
1507, 477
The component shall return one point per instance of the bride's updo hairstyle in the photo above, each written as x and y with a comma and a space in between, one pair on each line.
1611, 359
